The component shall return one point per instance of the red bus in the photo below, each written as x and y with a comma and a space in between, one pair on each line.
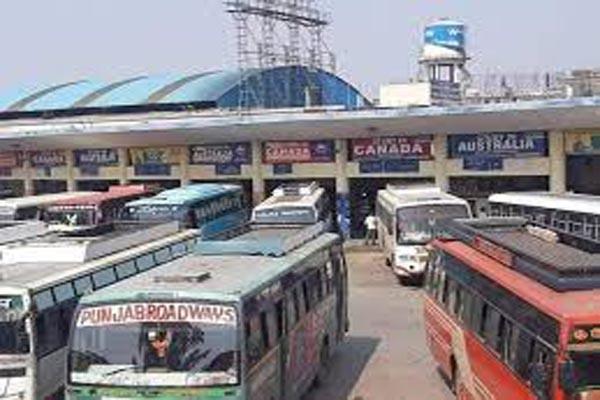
94, 210
511, 313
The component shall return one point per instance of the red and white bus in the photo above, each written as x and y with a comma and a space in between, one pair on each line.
511, 313
94, 210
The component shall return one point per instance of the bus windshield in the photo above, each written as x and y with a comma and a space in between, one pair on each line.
417, 224
13, 333
586, 369
71, 216
155, 344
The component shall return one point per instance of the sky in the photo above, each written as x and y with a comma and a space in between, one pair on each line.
376, 41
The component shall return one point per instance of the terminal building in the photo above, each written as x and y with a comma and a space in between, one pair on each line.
174, 130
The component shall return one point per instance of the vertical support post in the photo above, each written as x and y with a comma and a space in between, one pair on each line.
70, 159
440, 151
342, 186
184, 164
558, 161
258, 183
123, 162
28, 184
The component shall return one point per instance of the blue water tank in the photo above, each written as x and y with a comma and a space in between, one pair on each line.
447, 34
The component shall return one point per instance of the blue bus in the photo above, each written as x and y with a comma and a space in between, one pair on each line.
212, 208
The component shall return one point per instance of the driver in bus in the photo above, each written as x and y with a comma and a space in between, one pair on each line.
158, 349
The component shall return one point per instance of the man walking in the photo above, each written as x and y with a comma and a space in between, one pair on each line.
371, 225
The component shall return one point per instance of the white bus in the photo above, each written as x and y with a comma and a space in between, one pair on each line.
406, 219
41, 281
295, 204
575, 217
32, 207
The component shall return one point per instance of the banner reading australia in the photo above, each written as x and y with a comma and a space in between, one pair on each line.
215, 154
500, 144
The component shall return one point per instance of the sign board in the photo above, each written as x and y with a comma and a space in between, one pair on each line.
483, 163
501, 144
47, 158
388, 166
315, 151
231, 153
154, 156
282, 169
228, 169
152, 169
9, 159
97, 157
391, 148
443, 93
134, 313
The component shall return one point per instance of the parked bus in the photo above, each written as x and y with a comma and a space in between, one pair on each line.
32, 207
302, 203
43, 278
574, 217
255, 317
213, 207
92, 211
512, 313
407, 218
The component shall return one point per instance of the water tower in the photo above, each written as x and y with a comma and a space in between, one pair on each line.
444, 57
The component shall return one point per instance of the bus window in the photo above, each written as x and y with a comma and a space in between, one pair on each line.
306, 295
292, 311
145, 262
279, 318
162, 256
125, 269
104, 278
264, 332
298, 304
43, 300
178, 249
254, 341
63, 292
83, 285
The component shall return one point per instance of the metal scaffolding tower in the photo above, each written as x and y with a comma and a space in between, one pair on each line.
273, 33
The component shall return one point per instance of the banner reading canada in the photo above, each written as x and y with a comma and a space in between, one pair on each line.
391, 148
315, 151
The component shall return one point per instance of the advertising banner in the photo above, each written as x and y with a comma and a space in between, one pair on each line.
47, 158
232, 153
315, 151
96, 157
388, 166
483, 163
391, 148
501, 144
134, 313
154, 156
9, 159
228, 169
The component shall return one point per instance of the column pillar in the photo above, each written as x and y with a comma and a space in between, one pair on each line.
28, 183
558, 161
440, 153
123, 158
342, 186
70, 159
258, 183
184, 164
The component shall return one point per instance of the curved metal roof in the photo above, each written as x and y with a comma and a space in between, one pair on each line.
282, 86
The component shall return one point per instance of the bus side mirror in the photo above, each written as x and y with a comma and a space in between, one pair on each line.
566, 376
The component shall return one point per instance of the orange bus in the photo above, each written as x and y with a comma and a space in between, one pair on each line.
511, 313
93, 211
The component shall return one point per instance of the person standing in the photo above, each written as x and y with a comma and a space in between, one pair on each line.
371, 225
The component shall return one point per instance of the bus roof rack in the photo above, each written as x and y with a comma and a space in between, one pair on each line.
559, 266
263, 241
296, 189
